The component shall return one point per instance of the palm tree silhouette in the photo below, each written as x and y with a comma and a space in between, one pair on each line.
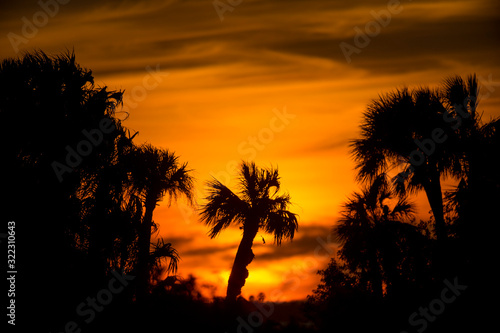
156, 173
475, 199
471, 134
45, 103
400, 127
369, 232
162, 251
257, 205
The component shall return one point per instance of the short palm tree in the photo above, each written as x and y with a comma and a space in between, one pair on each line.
156, 173
257, 205
369, 232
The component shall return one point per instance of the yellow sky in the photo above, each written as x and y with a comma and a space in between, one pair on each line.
270, 83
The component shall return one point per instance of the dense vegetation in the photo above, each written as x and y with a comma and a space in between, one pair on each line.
83, 193
391, 267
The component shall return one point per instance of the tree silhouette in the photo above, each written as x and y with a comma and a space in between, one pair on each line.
257, 205
387, 265
91, 193
473, 203
382, 257
476, 144
372, 234
417, 128
75, 218
156, 173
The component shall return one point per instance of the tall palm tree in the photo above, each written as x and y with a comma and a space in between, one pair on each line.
477, 144
461, 99
400, 126
257, 205
373, 235
46, 101
156, 173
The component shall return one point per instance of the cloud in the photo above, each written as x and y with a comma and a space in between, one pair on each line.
305, 243
267, 36
413, 40
208, 250
327, 145
431, 45
179, 241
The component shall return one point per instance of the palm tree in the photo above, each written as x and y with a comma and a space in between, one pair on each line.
162, 251
46, 101
372, 235
156, 173
401, 126
473, 203
257, 205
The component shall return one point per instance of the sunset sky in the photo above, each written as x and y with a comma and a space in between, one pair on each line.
283, 83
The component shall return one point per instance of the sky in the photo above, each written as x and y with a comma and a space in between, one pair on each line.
282, 83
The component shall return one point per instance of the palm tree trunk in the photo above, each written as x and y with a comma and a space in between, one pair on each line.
376, 274
435, 197
144, 242
433, 191
244, 257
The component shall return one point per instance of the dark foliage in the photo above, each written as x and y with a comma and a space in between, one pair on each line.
83, 194
388, 268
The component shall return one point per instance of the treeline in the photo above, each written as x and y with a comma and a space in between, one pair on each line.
393, 273
82, 194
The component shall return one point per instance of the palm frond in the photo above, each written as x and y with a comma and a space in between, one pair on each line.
162, 250
248, 181
157, 172
282, 224
180, 183
404, 209
257, 204
222, 208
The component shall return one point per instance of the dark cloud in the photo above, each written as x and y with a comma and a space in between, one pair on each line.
208, 250
189, 34
179, 241
327, 145
405, 45
431, 45
310, 239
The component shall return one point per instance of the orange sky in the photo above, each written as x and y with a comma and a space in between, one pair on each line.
219, 85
